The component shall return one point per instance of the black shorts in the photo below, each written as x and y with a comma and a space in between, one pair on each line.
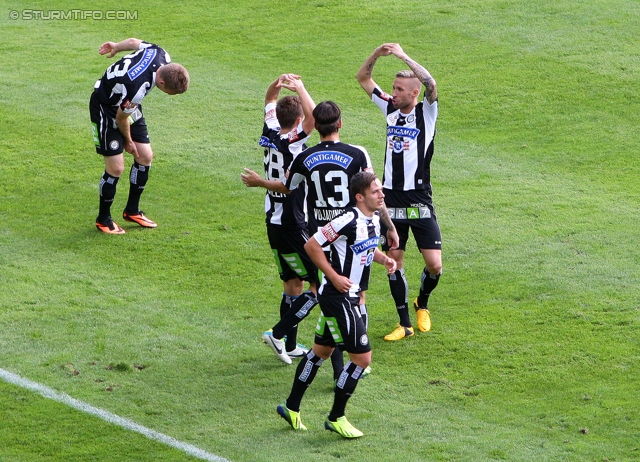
412, 210
341, 324
287, 244
106, 135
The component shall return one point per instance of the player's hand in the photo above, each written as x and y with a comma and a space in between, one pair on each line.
396, 50
109, 49
342, 283
391, 265
384, 49
393, 240
250, 178
131, 148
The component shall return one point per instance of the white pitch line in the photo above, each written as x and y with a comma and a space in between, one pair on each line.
107, 416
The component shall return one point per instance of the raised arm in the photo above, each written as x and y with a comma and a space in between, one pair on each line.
423, 75
365, 72
111, 48
308, 105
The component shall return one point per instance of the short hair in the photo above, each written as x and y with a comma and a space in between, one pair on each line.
407, 74
327, 118
360, 182
288, 109
176, 77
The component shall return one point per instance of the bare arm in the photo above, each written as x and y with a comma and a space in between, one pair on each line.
111, 48
251, 179
308, 105
122, 121
423, 75
315, 252
365, 72
392, 235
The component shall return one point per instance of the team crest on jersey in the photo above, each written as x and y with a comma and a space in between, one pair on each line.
328, 157
329, 233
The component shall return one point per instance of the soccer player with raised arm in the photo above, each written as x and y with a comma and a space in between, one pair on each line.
352, 240
119, 125
410, 132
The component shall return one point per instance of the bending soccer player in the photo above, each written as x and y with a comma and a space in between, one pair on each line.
353, 239
119, 125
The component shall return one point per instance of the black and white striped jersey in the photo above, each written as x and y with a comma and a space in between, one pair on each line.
407, 160
326, 170
279, 152
353, 239
127, 81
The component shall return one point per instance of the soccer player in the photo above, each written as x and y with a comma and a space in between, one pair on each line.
411, 127
325, 171
352, 238
288, 123
119, 125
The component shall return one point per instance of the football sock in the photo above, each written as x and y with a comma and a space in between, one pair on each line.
305, 373
292, 334
107, 194
344, 388
137, 181
399, 292
337, 363
299, 310
428, 282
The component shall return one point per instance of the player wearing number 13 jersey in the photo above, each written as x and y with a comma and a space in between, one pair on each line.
119, 125
326, 169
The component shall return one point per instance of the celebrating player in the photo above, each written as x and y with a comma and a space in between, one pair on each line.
352, 238
411, 127
119, 125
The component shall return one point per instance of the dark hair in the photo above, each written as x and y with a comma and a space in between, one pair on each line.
327, 115
360, 182
288, 109
176, 77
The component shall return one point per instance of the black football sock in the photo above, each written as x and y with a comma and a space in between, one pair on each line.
299, 310
137, 181
292, 334
337, 363
305, 373
428, 282
345, 386
399, 291
107, 194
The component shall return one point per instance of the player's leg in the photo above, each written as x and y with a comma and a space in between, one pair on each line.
138, 177
109, 144
356, 343
398, 283
429, 240
292, 289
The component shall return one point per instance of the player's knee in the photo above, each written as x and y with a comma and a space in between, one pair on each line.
434, 268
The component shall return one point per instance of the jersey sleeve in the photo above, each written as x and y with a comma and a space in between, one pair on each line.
332, 231
270, 117
381, 99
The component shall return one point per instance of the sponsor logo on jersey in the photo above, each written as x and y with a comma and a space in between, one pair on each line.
328, 157
146, 60
403, 131
266, 143
363, 246
329, 233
